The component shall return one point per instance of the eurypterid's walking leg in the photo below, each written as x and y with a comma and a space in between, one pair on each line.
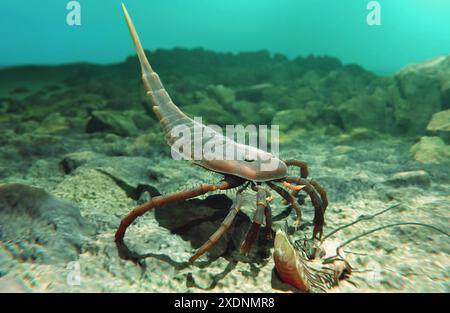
258, 218
322, 193
304, 174
316, 202
302, 165
303, 171
234, 210
289, 199
163, 200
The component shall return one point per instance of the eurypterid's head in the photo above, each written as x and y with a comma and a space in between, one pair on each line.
254, 165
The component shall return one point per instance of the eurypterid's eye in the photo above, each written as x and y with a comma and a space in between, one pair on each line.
248, 160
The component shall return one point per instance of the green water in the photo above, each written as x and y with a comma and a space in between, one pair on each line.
36, 32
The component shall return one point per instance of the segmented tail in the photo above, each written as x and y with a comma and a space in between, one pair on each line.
167, 112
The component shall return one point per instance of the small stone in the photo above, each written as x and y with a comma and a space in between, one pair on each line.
73, 160
440, 124
357, 134
342, 149
430, 150
418, 178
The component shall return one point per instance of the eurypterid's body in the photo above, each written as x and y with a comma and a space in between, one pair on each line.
238, 173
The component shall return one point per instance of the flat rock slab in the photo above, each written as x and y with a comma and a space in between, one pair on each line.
134, 175
418, 178
37, 226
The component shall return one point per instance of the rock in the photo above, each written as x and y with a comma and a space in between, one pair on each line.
143, 121
110, 121
247, 109
30, 144
343, 149
73, 160
426, 65
88, 101
221, 94
440, 125
254, 93
290, 119
418, 95
99, 196
418, 178
211, 113
48, 227
148, 144
365, 111
42, 168
357, 134
430, 150
345, 82
134, 175
53, 124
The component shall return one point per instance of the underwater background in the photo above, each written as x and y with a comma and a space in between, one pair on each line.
366, 106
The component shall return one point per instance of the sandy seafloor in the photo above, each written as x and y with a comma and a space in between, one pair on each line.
409, 258
105, 175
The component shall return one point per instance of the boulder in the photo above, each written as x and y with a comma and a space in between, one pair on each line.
221, 94
46, 226
440, 125
111, 121
431, 150
417, 93
288, 119
367, 111
211, 112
